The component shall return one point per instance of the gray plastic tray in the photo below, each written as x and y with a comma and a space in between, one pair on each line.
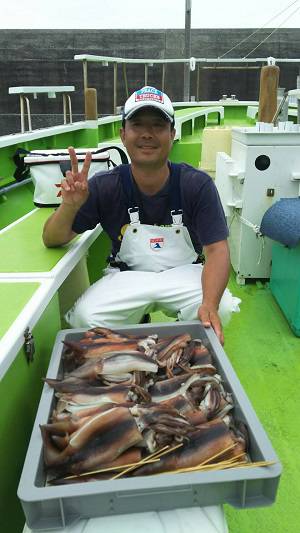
59, 506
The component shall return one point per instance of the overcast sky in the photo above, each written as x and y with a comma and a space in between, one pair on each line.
147, 14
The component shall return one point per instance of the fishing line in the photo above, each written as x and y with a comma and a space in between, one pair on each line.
256, 31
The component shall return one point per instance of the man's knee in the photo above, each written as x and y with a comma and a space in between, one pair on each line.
79, 316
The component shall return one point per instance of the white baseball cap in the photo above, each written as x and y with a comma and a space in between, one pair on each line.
148, 97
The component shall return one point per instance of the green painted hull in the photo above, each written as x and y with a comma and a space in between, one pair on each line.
19, 396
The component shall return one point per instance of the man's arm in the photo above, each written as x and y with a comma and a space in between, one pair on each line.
215, 277
58, 228
74, 192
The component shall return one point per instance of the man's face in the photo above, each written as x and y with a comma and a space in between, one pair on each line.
148, 138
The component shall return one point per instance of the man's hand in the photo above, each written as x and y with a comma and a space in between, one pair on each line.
74, 192
210, 318
74, 188
214, 279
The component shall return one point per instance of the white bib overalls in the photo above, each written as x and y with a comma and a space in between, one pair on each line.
161, 276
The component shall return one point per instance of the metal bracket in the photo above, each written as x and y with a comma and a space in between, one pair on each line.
29, 346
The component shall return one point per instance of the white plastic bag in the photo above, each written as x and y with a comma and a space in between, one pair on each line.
48, 168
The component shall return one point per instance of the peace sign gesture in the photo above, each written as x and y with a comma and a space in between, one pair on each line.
74, 188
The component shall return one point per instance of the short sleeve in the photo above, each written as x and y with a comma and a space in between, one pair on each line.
208, 214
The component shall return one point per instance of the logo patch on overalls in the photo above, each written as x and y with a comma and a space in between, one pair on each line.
157, 243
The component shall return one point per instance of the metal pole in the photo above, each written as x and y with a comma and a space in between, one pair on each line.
198, 83
22, 110
65, 107
298, 101
146, 74
187, 50
125, 79
163, 81
28, 113
115, 87
4, 190
85, 74
70, 109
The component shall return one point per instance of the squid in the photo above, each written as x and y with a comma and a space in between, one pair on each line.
201, 351
94, 396
125, 396
180, 386
130, 456
89, 347
207, 441
212, 404
86, 351
88, 411
82, 444
116, 427
193, 414
169, 355
110, 334
115, 363
128, 362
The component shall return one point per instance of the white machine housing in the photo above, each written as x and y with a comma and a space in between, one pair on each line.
247, 191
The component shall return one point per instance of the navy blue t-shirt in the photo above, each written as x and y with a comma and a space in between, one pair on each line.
107, 204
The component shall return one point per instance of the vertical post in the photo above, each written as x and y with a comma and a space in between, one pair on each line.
198, 83
125, 79
187, 50
298, 100
269, 76
65, 107
115, 87
70, 109
90, 101
163, 80
85, 75
22, 110
28, 113
146, 74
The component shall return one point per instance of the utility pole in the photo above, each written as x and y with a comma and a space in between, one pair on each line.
187, 50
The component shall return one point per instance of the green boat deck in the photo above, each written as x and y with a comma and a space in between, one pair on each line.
266, 357
258, 341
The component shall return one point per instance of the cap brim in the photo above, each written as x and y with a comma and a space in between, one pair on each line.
132, 112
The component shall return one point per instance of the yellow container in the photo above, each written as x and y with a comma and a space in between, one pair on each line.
214, 140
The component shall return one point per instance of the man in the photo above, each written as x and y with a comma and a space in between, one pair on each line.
159, 216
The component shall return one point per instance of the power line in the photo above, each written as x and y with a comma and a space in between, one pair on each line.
276, 29
256, 31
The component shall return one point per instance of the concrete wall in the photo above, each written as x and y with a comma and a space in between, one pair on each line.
45, 57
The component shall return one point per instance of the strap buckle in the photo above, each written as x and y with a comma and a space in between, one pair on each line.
176, 215
134, 215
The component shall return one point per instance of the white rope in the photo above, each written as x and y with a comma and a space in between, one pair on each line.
232, 219
252, 226
258, 234
262, 246
272, 32
255, 228
256, 31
